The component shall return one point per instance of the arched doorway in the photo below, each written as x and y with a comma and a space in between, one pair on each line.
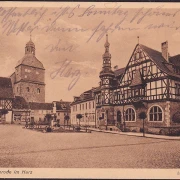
119, 117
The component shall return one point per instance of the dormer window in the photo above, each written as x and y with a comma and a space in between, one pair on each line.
137, 56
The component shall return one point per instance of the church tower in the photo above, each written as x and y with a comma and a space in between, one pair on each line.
29, 77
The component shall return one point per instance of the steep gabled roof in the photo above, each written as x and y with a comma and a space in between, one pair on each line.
6, 90
62, 105
158, 59
20, 103
40, 106
119, 72
175, 60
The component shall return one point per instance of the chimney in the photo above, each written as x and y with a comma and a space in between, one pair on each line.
164, 48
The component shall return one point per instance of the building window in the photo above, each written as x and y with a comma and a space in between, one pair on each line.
177, 89
38, 90
155, 114
130, 114
93, 104
83, 106
137, 56
80, 107
86, 105
28, 89
17, 89
89, 105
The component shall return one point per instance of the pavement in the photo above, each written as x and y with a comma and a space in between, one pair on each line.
24, 148
138, 134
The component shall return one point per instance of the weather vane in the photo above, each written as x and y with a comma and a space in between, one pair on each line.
138, 39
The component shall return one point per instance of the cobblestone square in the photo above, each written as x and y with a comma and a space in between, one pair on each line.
31, 149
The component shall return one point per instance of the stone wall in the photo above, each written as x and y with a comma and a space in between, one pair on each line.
165, 106
32, 95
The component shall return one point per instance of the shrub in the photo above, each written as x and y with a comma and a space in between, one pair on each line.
153, 130
174, 132
164, 132
176, 117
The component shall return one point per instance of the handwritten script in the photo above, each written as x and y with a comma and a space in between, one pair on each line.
64, 70
58, 47
16, 20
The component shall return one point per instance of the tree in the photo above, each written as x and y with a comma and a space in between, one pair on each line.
48, 117
143, 116
79, 116
66, 118
176, 117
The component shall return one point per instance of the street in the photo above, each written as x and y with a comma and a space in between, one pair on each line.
31, 149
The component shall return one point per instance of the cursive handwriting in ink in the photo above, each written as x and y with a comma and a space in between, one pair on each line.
142, 13
91, 10
13, 12
103, 29
64, 11
64, 70
57, 47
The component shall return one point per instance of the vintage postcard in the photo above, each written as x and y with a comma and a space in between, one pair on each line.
89, 90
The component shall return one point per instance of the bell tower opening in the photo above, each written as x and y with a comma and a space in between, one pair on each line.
30, 47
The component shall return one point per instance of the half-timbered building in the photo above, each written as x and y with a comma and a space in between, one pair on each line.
6, 100
149, 83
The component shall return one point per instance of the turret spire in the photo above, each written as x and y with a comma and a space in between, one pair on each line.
138, 39
30, 47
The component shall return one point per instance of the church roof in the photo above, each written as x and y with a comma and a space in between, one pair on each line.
6, 90
30, 60
157, 57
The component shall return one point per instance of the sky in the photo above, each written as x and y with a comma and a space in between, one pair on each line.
74, 35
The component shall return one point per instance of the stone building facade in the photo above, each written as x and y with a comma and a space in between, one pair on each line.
29, 77
84, 105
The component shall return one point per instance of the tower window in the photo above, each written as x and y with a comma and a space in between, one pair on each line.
38, 91
28, 89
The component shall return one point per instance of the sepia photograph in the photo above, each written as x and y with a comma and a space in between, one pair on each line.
89, 87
